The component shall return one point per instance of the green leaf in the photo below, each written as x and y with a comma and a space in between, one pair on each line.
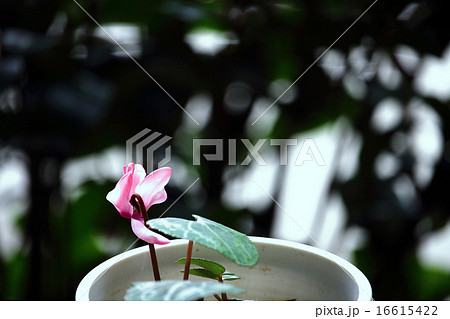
212, 266
177, 290
202, 273
229, 242
228, 275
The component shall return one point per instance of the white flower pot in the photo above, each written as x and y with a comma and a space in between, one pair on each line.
285, 270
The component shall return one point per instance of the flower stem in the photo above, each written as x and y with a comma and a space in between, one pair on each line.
138, 204
154, 260
224, 294
187, 264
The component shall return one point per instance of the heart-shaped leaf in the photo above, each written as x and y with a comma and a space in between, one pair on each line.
212, 266
177, 290
229, 242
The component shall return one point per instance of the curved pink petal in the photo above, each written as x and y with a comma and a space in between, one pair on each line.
131, 167
146, 234
138, 174
119, 196
151, 188
125, 187
128, 168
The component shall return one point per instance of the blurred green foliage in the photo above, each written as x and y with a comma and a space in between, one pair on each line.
67, 93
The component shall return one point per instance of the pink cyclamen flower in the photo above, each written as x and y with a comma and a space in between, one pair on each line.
150, 188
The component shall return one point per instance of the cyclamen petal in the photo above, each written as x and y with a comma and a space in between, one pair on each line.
138, 173
135, 168
151, 188
125, 188
141, 231
119, 195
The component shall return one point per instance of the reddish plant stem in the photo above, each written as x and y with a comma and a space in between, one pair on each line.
224, 294
187, 265
151, 248
138, 203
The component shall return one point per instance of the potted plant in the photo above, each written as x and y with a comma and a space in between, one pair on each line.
211, 261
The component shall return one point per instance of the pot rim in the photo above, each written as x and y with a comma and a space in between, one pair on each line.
365, 289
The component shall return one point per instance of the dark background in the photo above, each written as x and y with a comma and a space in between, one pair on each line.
67, 93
